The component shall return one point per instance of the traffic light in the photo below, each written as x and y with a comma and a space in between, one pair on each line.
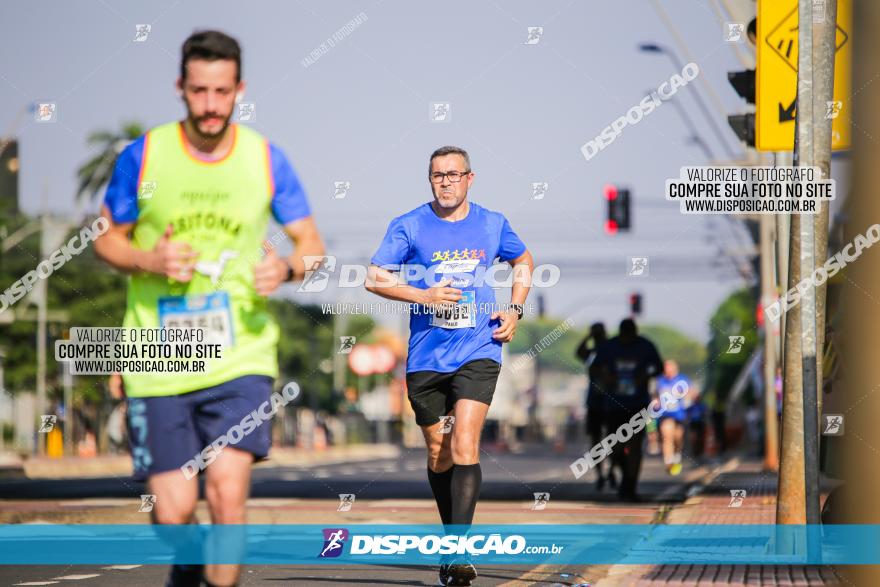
744, 127
9, 175
618, 218
635, 304
743, 83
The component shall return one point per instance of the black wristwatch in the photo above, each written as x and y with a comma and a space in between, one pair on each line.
290, 272
519, 310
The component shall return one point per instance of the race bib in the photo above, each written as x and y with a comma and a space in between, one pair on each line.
461, 315
626, 377
209, 311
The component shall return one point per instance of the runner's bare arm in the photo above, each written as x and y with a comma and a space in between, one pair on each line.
307, 243
172, 259
272, 270
523, 266
390, 286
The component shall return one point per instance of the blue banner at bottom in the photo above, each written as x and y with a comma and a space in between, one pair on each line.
585, 544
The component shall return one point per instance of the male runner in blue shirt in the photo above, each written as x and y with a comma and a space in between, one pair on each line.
456, 332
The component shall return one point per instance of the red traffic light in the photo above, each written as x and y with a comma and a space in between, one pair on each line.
611, 226
610, 192
635, 304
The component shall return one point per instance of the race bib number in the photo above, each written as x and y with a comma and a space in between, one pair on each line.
626, 377
209, 311
461, 315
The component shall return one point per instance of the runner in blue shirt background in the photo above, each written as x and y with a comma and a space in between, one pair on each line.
445, 249
673, 417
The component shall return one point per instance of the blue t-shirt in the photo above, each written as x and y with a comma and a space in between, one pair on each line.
289, 202
667, 385
463, 251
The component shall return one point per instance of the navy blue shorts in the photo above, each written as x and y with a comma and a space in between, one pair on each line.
166, 432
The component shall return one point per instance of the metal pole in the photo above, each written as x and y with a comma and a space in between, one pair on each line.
771, 425
824, 48
40, 295
67, 380
783, 239
806, 118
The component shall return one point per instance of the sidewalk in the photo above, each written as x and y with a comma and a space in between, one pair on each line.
120, 465
715, 505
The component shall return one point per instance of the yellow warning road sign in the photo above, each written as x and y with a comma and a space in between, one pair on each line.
776, 84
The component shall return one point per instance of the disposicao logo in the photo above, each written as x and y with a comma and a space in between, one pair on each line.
334, 541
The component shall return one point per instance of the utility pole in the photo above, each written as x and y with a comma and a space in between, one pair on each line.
783, 241
806, 123
790, 502
768, 286
824, 48
40, 293
798, 501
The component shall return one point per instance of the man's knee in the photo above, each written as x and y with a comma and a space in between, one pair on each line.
226, 498
180, 514
439, 456
465, 448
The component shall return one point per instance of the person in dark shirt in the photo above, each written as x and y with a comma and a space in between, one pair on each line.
626, 363
596, 421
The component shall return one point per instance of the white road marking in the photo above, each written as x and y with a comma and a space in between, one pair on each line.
121, 567
38, 583
75, 577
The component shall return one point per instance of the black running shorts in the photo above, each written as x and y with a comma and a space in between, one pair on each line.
433, 394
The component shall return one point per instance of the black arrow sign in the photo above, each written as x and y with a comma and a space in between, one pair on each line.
787, 114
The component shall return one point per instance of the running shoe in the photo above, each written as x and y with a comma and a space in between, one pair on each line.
185, 576
461, 573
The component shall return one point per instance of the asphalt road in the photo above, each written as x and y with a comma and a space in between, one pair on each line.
386, 490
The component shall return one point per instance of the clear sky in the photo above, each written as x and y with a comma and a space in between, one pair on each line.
360, 113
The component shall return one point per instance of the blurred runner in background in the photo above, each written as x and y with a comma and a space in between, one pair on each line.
627, 363
596, 410
671, 420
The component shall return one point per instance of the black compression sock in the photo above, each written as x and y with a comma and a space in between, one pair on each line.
441, 487
466, 481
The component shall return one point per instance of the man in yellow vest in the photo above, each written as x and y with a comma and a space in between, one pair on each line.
189, 204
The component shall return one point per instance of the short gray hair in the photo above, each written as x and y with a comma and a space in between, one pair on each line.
449, 150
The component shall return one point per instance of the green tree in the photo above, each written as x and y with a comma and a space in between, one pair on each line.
306, 348
674, 344
95, 173
735, 316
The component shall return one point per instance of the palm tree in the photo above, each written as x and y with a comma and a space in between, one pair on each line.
96, 172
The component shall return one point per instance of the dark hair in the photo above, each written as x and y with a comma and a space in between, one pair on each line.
449, 150
597, 330
211, 46
628, 327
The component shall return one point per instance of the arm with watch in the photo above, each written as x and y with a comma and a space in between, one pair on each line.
523, 266
273, 270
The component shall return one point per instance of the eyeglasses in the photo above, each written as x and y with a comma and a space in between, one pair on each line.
454, 176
